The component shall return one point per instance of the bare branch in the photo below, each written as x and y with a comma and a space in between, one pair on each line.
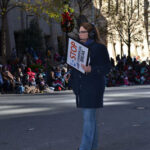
83, 4
86, 3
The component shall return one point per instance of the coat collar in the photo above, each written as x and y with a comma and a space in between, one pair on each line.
89, 42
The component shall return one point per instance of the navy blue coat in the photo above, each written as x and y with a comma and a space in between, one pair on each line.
89, 88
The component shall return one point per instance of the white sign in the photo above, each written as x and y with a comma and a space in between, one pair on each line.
77, 54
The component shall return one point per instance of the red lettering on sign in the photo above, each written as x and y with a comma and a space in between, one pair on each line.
73, 50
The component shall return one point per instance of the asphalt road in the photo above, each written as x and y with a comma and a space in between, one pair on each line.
52, 122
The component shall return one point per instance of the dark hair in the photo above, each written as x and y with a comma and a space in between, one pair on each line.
92, 31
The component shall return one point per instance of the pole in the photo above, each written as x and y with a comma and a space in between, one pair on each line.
66, 44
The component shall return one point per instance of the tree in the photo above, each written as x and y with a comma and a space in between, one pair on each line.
46, 8
5, 7
125, 21
82, 5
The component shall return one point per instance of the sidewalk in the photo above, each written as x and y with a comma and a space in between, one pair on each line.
71, 92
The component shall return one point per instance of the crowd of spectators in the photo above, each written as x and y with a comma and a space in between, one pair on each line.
24, 80
31, 74
128, 71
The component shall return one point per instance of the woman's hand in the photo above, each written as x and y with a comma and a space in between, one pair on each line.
86, 68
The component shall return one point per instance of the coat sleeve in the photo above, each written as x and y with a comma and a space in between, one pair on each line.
70, 78
74, 80
102, 64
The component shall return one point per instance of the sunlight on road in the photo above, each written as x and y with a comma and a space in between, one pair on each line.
13, 106
14, 110
10, 110
116, 103
129, 94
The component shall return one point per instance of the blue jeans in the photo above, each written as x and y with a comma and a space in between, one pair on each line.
90, 134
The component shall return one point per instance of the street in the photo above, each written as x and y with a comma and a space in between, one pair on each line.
52, 121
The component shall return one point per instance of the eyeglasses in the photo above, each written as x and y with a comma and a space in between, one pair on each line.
81, 32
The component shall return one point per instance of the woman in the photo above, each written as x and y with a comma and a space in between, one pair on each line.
89, 87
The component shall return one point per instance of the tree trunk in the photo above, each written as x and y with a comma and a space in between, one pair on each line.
114, 50
129, 43
129, 49
3, 36
121, 47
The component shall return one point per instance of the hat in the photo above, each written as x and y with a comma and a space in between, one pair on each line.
28, 69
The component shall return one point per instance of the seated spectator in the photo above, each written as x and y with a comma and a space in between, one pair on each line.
19, 74
58, 72
67, 86
19, 86
137, 79
1, 80
9, 80
32, 82
142, 79
50, 78
126, 81
31, 75
57, 84
63, 75
41, 82
41, 71
25, 80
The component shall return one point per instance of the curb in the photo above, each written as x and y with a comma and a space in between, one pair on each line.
71, 92
36, 94
129, 87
